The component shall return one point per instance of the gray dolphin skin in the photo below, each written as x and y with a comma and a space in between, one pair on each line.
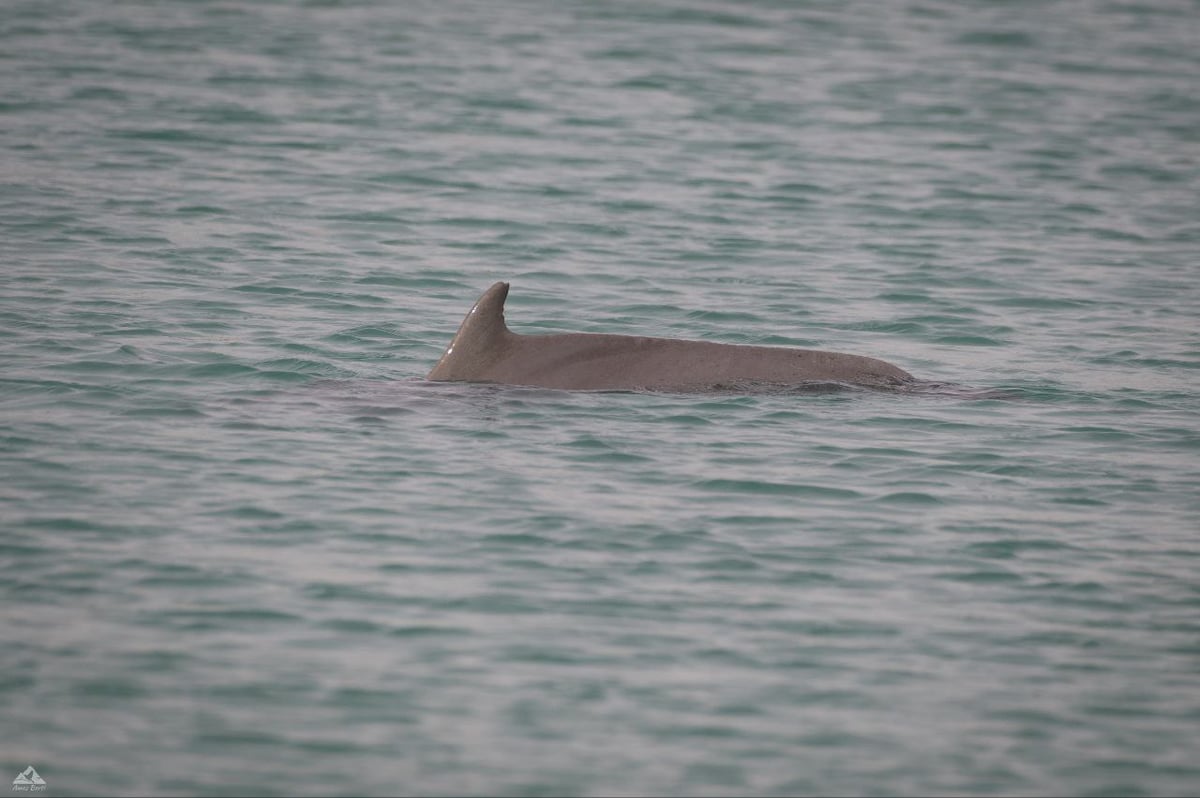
485, 350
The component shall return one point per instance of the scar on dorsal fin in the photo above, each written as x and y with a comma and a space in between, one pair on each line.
479, 341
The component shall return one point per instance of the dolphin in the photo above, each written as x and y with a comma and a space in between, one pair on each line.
485, 350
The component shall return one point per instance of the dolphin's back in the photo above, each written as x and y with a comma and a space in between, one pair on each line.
485, 350
583, 361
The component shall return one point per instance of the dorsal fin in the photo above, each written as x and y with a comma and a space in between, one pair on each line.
479, 341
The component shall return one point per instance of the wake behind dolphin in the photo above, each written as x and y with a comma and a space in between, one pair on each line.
485, 350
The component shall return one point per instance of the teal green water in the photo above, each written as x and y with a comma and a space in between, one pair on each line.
246, 550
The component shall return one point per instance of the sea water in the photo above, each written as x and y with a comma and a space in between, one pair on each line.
246, 550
